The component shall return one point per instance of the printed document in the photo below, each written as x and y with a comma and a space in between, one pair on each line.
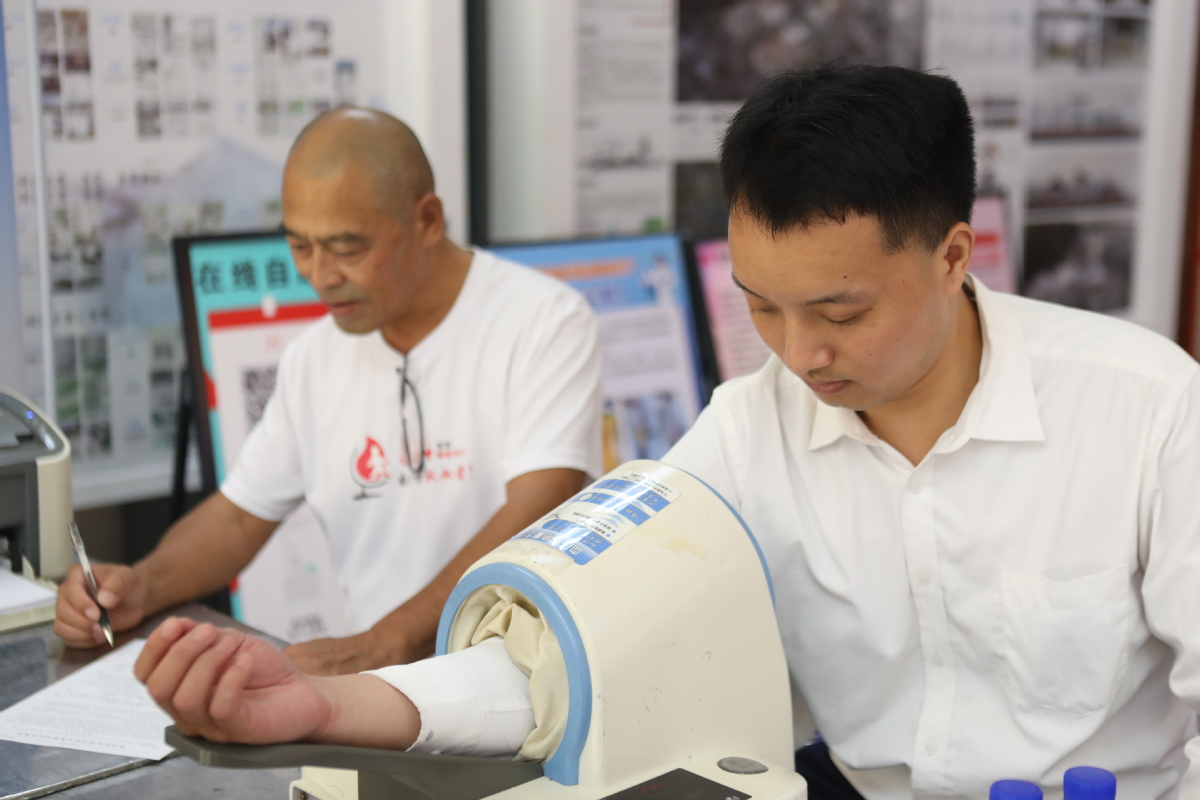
100, 708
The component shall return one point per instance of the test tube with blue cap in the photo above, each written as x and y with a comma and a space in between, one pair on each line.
1015, 790
1089, 783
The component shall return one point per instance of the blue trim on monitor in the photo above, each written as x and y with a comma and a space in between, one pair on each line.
761, 558
563, 766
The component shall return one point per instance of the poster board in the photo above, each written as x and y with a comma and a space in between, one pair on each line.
242, 303
163, 118
10, 309
1077, 108
653, 375
738, 347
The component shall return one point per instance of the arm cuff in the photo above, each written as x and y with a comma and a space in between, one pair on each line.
474, 702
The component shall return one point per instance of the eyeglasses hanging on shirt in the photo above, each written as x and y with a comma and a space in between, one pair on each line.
407, 389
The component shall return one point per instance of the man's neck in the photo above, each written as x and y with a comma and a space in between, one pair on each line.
447, 274
913, 423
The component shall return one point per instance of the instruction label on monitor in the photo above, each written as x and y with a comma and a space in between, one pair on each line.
603, 514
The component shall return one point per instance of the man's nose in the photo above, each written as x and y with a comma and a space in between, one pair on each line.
324, 272
803, 353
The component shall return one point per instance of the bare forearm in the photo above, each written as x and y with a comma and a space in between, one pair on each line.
201, 553
367, 712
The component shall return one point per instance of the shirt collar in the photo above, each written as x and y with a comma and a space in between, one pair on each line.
1002, 407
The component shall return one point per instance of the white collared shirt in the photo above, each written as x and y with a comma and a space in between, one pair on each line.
1026, 599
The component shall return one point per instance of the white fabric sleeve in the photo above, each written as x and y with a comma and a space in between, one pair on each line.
702, 452
1170, 552
474, 702
554, 399
268, 478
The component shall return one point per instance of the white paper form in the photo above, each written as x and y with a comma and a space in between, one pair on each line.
100, 708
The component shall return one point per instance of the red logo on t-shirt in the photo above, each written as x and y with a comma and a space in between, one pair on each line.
368, 466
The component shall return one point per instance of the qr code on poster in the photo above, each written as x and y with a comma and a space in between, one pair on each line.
257, 385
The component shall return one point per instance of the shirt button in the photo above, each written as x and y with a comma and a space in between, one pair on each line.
930, 748
924, 576
939, 660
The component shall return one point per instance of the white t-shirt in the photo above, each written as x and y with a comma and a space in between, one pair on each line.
508, 383
1025, 599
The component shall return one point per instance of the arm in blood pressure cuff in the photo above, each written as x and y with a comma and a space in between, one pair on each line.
502, 690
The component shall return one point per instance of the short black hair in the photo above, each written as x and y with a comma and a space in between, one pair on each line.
837, 141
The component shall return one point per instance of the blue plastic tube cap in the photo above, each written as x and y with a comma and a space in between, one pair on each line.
1089, 783
1015, 790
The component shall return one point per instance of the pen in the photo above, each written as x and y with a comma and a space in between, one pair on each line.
77, 541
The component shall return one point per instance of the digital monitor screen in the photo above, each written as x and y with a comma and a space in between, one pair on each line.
639, 289
243, 303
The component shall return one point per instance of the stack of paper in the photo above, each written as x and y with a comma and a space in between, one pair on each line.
23, 602
100, 708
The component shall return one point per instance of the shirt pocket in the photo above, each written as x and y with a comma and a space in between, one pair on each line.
1066, 642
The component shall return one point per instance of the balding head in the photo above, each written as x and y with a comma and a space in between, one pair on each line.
380, 144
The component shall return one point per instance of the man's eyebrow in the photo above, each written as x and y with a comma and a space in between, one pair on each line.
345, 237
741, 286
846, 297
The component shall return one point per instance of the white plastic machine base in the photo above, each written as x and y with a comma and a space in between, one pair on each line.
661, 602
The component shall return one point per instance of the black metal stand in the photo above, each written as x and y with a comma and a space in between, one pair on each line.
183, 428
219, 601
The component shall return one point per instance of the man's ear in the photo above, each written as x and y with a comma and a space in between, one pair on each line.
429, 219
953, 255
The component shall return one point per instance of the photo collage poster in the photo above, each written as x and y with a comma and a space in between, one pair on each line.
162, 119
1056, 88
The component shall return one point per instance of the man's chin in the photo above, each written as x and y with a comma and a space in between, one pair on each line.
851, 398
354, 324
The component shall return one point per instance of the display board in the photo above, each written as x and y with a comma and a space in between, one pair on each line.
26, 339
739, 349
170, 118
652, 376
1077, 105
243, 302
10, 268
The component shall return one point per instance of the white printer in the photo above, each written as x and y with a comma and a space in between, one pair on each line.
35, 490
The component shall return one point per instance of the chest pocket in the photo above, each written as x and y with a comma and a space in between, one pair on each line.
1066, 643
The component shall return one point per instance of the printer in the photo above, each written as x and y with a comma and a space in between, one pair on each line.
35, 490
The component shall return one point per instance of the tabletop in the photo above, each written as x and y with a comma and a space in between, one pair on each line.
33, 658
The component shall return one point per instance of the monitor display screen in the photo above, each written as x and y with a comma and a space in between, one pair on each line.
639, 289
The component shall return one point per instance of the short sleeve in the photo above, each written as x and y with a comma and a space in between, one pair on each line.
702, 452
554, 397
268, 479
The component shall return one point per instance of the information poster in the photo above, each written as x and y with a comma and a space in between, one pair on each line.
625, 54
250, 303
159, 119
1056, 89
638, 289
740, 350
26, 305
726, 48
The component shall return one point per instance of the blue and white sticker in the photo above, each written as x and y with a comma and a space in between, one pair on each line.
601, 515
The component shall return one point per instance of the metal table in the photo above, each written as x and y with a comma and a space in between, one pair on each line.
32, 658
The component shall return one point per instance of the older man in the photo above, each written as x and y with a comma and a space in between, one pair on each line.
447, 400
